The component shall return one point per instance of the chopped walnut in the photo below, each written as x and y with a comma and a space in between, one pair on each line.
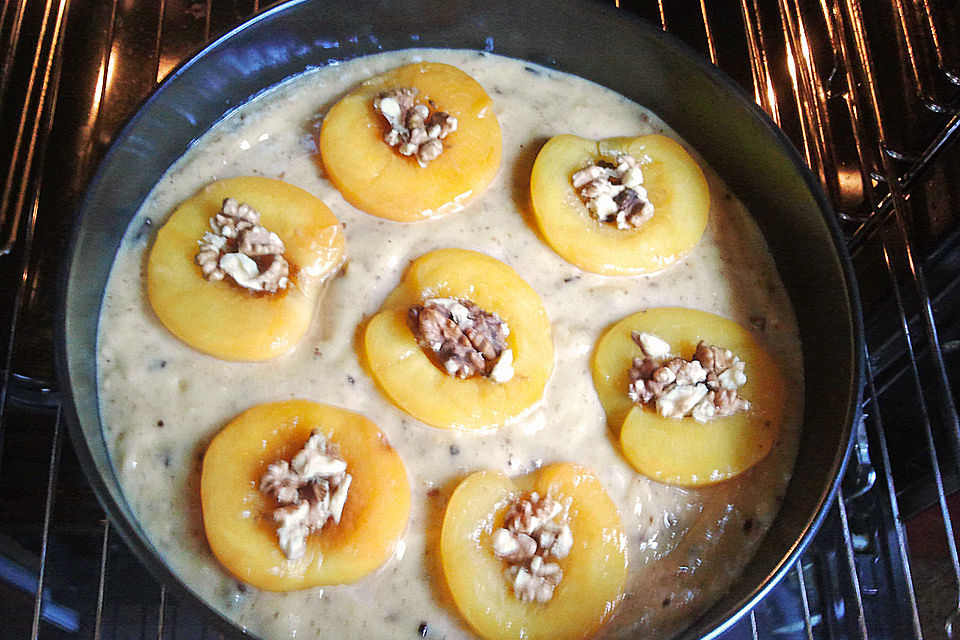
713, 357
311, 490
614, 192
703, 388
467, 340
240, 248
652, 346
414, 129
535, 529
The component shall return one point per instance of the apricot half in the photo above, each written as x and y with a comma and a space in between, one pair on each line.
411, 380
221, 318
675, 186
237, 516
683, 451
594, 572
374, 177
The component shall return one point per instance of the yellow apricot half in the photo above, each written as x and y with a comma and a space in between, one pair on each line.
220, 318
683, 451
373, 177
410, 379
237, 516
673, 180
594, 573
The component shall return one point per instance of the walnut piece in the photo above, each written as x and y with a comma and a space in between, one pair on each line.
703, 388
414, 129
535, 529
614, 192
652, 346
467, 340
240, 248
311, 490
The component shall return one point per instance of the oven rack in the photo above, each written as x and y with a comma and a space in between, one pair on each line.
867, 90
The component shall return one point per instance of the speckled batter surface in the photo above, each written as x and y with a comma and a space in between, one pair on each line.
161, 401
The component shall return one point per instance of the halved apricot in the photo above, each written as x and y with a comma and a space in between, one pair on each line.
374, 177
683, 451
594, 572
411, 380
220, 318
674, 183
237, 516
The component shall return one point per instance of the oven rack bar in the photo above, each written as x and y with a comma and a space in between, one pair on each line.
876, 155
820, 100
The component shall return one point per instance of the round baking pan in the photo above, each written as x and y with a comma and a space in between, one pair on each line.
593, 41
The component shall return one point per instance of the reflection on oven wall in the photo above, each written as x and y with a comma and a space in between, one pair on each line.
868, 92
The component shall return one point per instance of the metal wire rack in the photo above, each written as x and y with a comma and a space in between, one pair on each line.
869, 91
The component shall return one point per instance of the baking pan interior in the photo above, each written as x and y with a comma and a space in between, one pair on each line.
593, 41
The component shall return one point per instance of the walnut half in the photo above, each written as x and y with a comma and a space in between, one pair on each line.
467, 340
240, 248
